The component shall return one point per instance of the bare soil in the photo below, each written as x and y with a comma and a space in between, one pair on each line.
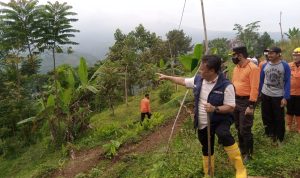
85, 160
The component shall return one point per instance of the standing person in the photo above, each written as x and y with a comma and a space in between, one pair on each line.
214, 95
245, 79
293, 103
145, 108
261, 63
275, 90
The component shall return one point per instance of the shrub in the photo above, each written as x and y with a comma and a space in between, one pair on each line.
165, 93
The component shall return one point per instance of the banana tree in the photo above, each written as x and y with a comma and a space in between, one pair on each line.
67, 112
191, 61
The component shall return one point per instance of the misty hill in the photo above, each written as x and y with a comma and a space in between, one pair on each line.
63, 58
95, 48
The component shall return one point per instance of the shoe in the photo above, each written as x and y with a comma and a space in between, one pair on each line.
235, 158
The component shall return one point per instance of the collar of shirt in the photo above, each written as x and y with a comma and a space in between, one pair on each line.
210, 82
245, 64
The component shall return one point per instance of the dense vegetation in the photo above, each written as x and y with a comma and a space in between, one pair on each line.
45, 118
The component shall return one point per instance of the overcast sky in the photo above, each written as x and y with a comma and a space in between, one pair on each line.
221, 15
98, 17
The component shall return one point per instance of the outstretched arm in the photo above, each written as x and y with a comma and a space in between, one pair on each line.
177, 80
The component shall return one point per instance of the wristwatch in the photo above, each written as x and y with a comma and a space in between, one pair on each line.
217, 109
251, 106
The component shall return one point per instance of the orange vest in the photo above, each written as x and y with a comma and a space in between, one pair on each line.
246, 80
145, 105
295, 79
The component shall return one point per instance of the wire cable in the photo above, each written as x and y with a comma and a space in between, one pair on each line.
182, 14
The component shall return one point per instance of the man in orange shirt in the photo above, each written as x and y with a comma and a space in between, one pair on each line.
294, 101
145, 108
245, 79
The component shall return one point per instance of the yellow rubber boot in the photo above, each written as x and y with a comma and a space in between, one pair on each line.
298, 123
205, 166
289, 122
234, 155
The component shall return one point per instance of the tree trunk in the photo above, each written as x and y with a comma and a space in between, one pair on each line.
280, 27
126, 95
54, 70
111, 105
53, 131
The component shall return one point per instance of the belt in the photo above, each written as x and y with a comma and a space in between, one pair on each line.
241, 97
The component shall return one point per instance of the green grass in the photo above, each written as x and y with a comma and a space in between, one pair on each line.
36, 161
40, 160
185, 159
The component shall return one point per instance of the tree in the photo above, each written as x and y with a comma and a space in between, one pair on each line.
20, 30
264, 42
178, 42
108, 80
56, 29
130, 50
68, 114
293, 33
220, 46
248, 36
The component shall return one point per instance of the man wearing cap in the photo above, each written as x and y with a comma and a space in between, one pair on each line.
245, 79
294, 101
274, 88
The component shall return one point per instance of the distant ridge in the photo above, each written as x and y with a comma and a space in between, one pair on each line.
63, 58
94, 49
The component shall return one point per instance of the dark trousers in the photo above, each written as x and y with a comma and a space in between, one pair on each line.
273, 116
222, 130
144, 114
243, 124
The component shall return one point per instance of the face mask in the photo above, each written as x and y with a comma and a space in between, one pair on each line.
235, 60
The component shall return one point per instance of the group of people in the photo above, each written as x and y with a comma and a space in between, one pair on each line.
222, 102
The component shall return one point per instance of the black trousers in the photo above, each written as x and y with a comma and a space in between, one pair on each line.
222, 130
243, 123
144, 114
273, 116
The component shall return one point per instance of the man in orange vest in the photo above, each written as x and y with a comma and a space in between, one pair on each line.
145, 108
294, 101
245, 79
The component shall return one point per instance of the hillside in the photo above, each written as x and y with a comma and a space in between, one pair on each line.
64, 58
118, 147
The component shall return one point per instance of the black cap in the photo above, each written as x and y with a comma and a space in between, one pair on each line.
240, 49
275, 49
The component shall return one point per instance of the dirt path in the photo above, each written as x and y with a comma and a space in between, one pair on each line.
87, 159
